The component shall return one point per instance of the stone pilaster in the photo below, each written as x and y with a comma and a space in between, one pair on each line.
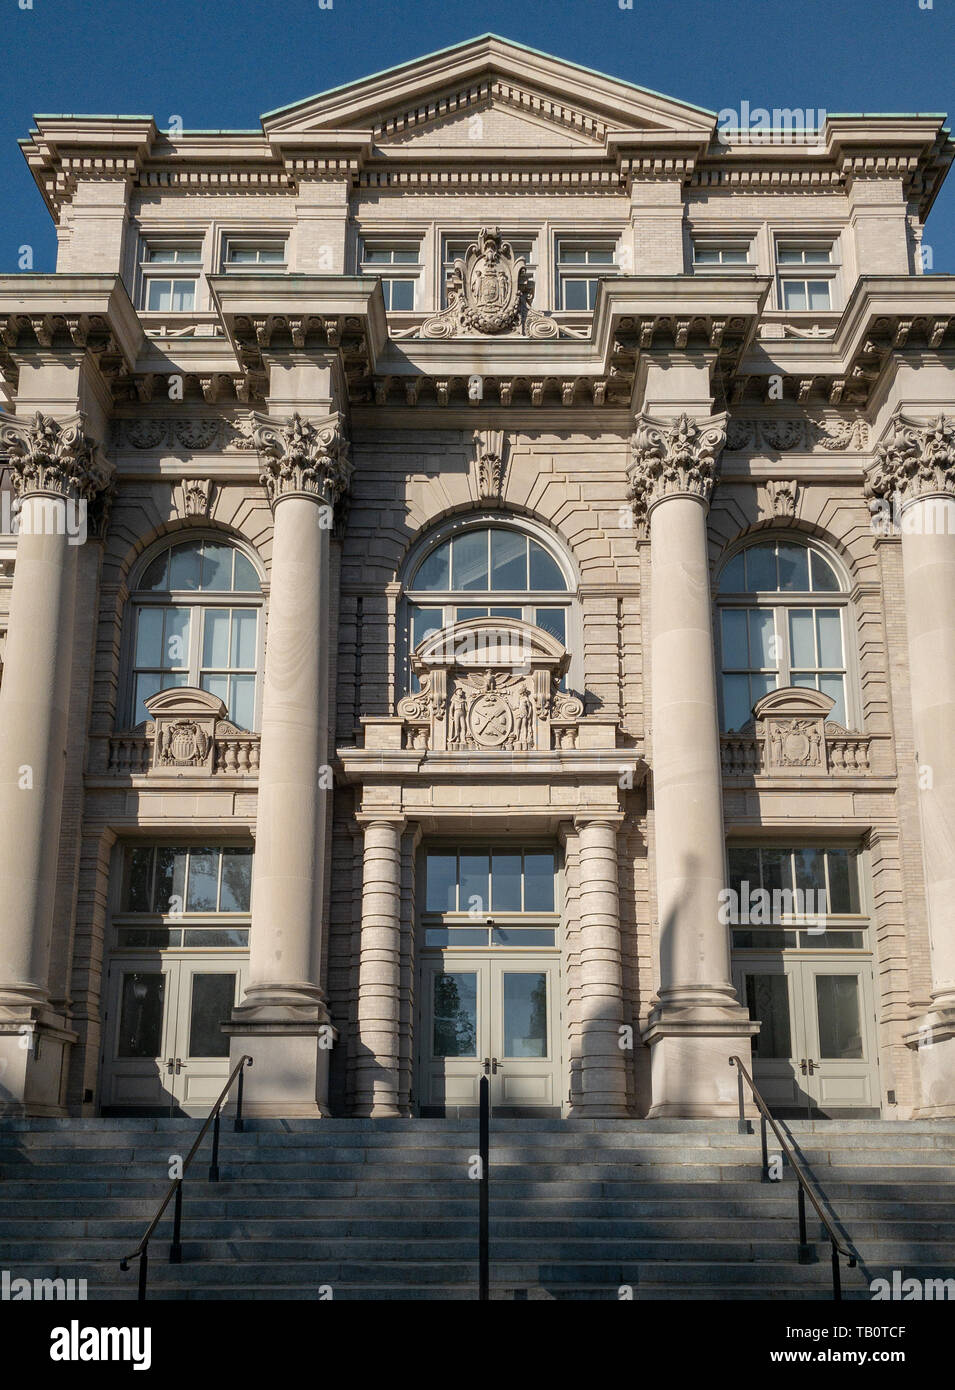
912, 484
696, 1023
57, 473
602, 1059
283, 1020
377, 1066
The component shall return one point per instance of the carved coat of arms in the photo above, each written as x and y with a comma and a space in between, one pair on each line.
489, 291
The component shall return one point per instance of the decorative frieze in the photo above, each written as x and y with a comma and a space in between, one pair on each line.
489, 293
913, 460
800, 433
192, 434
54, 457
673, 457
303, 457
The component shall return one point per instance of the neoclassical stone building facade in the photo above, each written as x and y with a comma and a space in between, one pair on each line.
484, 568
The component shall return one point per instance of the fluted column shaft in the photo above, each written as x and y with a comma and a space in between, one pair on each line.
379, 975
603, 1062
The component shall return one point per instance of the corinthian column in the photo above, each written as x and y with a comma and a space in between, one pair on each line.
696, 1023
912, 478
57, 472
283, 1021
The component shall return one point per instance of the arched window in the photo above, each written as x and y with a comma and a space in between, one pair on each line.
196, 621
782, 621
485, 571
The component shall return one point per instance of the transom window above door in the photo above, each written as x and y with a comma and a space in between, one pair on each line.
490, 896
790, 897
179, 895
195, 619
783, 611
487, 572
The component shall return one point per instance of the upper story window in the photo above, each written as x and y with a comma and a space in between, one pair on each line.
580, 267
454, 248
721, 255
196, 621
487, 572
244, 254
170, 276
783, 611
399, 265
805, 273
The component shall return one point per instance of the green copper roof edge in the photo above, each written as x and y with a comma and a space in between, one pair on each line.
438, 52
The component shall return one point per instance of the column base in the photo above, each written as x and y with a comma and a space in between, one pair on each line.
934, 1041
691, 1039
288, 1078
35, 1047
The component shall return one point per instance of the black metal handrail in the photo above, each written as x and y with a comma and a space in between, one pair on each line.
141, 1252
484, 1125
804, 1186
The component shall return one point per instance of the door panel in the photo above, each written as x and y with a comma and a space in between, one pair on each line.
772, 995
207, 990
841, 1033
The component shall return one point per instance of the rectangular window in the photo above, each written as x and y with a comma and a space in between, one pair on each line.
720, 255
244, 254
399, 267
806, 276
580, 267
176, 881
169, 273
484, 881
810, 887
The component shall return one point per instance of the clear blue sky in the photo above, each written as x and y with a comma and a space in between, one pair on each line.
219, 64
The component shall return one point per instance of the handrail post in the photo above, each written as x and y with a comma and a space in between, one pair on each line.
143, 1270
805, 1254
483, 1193
237, 1127
743, 1126
836, 1275
175, 1250
214, 1165
764, 1147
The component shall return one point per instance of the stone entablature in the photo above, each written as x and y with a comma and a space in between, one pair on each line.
791, 735
490, 686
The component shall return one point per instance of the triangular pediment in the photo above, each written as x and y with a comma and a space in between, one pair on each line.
528, 98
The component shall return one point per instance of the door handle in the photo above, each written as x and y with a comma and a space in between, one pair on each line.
490, 1066
174, 1064
807, 1066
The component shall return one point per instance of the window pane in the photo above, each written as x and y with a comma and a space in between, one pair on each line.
600, 255
498, 612
835, 686
731, 257
760, 685
170, 881
706, 255
793, 568
377, 255
465, 615
474, 893
576, 294
216, 685
147, 683
736, 703
743, 868
176, 641
816, 255
140, 1020
794, 294
241, 704
402, 294
425, 621
246, 578
767, 999
236, 891
155, 575
819, 294
554, 621
823, 575
837, 1010
545, 571
215, 637
213, 995
183, 296
732, 580
506, 881
829, 626
843, 893
508, 560
216, 566
442, 876
455, 1015
203, 880
149, 637
435, 571
244, 625
789, 255
405, 255
735, 648
762, 637
159, 296
777, 869
469, 562
139, 872
761, 569
572, 255
523, 936
160, 255
539, 881
455, 936
801, 637
525, 1014
184, 567
810, 869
